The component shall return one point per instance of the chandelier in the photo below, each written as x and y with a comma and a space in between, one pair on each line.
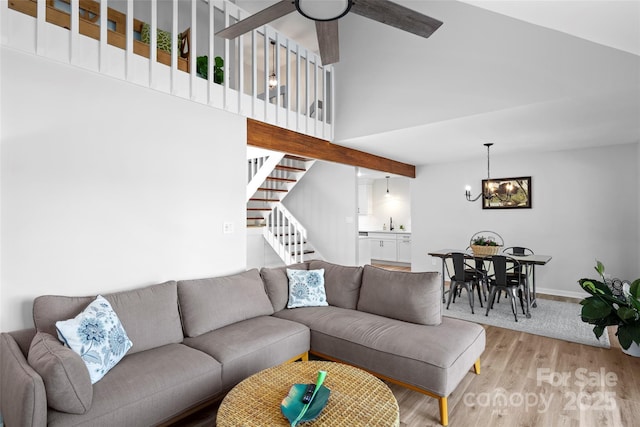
491, 189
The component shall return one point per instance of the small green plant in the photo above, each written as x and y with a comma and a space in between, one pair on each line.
484, 241
202, 68
604, 308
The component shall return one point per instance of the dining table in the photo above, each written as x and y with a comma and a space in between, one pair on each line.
528, 261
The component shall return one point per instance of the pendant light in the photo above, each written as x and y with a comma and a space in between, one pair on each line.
490, 187
273, 80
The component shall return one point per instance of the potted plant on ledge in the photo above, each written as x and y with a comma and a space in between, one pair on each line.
612, 307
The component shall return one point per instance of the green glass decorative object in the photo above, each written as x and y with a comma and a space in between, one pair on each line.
296, 410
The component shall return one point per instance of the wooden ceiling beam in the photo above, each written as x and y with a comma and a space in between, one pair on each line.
264, 135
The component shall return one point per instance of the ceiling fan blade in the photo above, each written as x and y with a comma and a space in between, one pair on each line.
327, 32
398, 16
258, 19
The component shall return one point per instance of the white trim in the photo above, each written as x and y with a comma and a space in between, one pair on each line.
561, 293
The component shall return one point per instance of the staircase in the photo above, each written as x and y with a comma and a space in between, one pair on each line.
271, 177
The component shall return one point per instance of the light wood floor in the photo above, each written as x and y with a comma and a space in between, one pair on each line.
528, 380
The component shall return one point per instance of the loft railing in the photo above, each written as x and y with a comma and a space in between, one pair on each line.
108, 36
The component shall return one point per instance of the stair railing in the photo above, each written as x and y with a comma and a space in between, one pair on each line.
254, 165
258, 169
285, 235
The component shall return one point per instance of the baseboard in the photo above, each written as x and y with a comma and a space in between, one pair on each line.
560, 293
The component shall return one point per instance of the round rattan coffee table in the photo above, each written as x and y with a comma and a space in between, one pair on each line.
357, 397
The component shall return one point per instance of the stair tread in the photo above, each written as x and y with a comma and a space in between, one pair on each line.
256, 199
298, 158
290, 168
258, 209
273, 178
305, 252
280, 190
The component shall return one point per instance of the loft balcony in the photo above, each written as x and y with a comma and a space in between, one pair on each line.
131, 40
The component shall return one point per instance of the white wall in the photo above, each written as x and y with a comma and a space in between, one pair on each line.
396, 205
259, 252
109, 186
585, 206
325, 202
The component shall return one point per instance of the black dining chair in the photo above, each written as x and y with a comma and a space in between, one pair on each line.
500, 281
482, 275
522, 272
464, 276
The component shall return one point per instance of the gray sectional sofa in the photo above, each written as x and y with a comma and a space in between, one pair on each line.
193, 340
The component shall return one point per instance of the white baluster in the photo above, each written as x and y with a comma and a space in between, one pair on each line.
153, 44
74, 33
193, 49
174, 46
129, 40
103, 36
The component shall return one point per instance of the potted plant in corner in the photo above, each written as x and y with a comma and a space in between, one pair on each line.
611, 307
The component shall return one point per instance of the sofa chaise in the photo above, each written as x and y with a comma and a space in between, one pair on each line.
193, 340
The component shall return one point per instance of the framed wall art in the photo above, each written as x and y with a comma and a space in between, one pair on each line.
507, 193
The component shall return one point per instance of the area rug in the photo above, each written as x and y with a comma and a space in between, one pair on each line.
553, 319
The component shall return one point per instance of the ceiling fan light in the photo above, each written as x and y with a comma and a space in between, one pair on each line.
323, 10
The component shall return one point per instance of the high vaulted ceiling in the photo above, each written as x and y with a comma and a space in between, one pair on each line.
525, 75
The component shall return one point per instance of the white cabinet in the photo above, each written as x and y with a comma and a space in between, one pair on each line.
383, 246
404, 247
395, 247
365, 199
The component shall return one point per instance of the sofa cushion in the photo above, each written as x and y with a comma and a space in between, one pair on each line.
66, 378
276, 283
433, 358
342, 283
149, 315
412, 297
209, 304
148, 388
306, 288
247, 347
97, 335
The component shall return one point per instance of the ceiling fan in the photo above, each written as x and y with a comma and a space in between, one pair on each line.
326, 14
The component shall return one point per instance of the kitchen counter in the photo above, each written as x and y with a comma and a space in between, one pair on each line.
383, 231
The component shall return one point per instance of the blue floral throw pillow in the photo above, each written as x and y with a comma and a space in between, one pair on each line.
97, 336
306, 288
